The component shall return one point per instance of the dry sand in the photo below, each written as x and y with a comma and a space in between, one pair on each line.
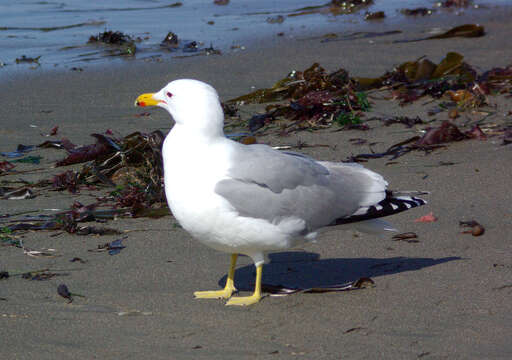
447, 296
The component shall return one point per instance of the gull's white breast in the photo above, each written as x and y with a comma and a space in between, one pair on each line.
192, 170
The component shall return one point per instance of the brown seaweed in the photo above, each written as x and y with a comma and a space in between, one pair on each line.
406, 120
17, 193
455, 3
58, 144
422, 11
507, 136
475, 228
409, 237
445, 133
467, 30
103, 147
334, 7
298, 84
141, 192
120, 43
28, 60
5, 166
378, 15
111, 38
316, 99
280, 290
412, 80
170, 41
67, 180
319, 99
40, 276
357, 35
433, 139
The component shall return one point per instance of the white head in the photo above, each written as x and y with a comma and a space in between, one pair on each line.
192, 104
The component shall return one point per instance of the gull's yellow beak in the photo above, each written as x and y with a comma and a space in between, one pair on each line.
146, 100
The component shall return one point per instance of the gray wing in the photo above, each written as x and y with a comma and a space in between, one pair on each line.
262, 165
268, 184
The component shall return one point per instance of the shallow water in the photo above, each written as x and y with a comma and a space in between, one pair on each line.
58, 31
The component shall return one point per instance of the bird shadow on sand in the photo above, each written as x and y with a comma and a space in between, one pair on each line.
306, 270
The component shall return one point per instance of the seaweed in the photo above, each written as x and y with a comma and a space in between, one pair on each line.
445, 133
170, 41
279, 19
103, 147
434, 138
27, 60
64, 143
67, 180
466, 30
63, 291
378, 15
422, 11
409, 237
313, 98
5, 166
412, 80
316, 99
17, 193
111, 38
121, 44
475, 228
29, 160
113, 247
407, 121
20, 151
280, 290
191, 46
334, 7
357, 35
298, 84
134, 162
507, 136
455, 3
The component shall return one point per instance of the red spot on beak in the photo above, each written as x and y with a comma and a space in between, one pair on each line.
141, 103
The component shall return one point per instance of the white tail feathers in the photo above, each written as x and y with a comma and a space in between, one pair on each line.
373, 226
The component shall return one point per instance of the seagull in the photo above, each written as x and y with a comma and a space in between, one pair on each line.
253, 199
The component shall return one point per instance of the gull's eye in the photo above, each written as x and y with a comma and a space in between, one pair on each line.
169, 94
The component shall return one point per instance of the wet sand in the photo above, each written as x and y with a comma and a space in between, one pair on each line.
445, 297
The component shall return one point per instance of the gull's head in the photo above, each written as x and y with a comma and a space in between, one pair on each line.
192, 104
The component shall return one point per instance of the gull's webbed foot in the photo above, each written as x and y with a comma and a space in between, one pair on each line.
244, 300
228, 290
255, 297
216, 294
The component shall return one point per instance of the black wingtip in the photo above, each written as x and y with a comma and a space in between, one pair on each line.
389, 206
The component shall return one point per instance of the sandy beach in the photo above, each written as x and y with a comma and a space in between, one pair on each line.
447, 296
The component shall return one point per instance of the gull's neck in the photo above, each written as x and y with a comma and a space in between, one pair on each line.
201, 123
192, 134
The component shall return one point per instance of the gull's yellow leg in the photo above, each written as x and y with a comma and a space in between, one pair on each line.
228, 289
254, 298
